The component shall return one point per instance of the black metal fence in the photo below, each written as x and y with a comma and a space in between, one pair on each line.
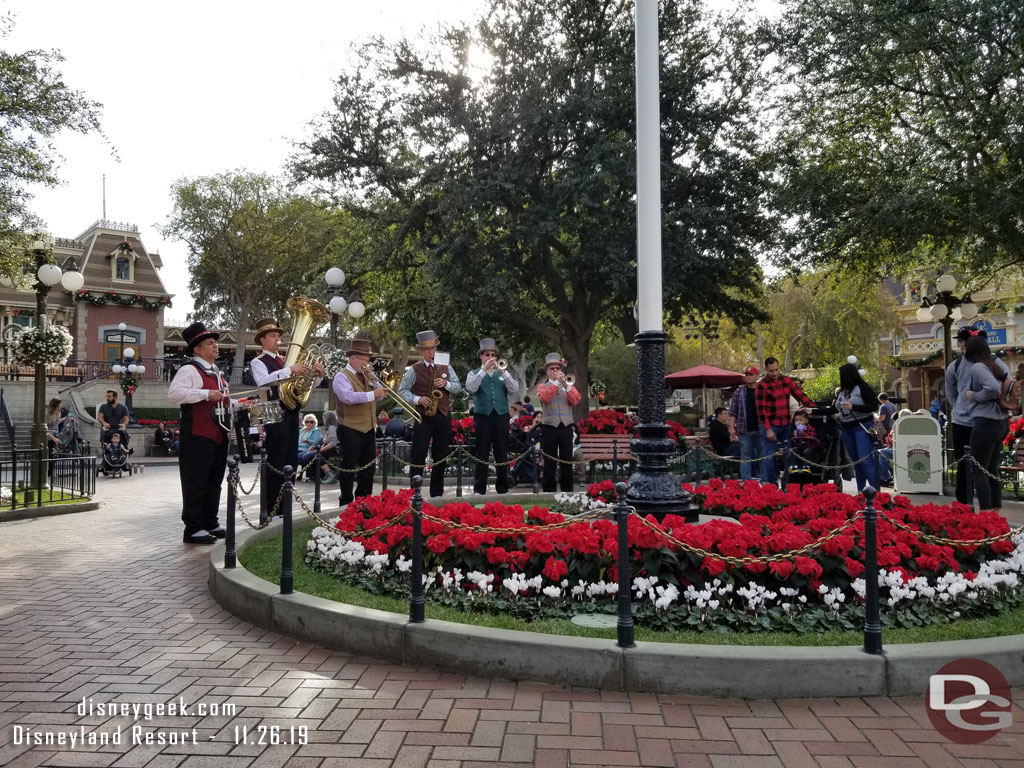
31, 479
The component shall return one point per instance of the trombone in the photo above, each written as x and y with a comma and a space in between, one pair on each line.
368, 370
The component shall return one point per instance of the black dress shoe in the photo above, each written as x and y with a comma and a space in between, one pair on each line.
199, 537
219, 532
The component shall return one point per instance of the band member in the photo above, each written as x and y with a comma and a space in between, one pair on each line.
281, 442
357, 401
491, 388
556, 432
197, 387
418, 386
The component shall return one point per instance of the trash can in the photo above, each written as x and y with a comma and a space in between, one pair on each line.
917, 453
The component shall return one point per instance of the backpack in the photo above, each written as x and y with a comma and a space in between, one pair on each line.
1011, 392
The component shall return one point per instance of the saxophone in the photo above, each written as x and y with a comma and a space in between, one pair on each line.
307, 315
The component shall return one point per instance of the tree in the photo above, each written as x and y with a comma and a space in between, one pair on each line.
35, 106
251, 245
904, 140
510, 189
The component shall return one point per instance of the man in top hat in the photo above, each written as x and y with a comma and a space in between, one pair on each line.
958, 382
357, 399
434, 432
490, 388
197, 387
281, 442
556, 431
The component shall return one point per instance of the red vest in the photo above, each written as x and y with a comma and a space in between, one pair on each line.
424, 385
198, 418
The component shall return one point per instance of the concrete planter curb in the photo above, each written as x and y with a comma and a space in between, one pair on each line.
47, 510
703, 670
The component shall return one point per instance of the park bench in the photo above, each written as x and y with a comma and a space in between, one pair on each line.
1015, 468
613, 448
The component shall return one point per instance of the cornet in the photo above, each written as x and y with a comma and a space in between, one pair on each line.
569, 379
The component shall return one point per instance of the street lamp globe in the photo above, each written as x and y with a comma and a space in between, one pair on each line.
335, 277
924, 315
129, 352
133, 368
337, 304
945, 284
939, 311
356, 309
49, 274
122, 327
116, 368
969, 310
72, 280
140, 369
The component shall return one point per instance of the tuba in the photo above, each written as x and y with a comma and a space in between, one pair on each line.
307, 315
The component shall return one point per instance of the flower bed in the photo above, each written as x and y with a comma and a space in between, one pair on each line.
521, 568
607, 421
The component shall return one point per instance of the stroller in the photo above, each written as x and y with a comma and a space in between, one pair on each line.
522, 472
114, 458
824, 448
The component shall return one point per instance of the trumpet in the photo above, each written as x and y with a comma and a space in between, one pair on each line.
368, 370
501, 365
569, 380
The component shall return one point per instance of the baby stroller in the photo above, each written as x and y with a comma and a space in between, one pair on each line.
519, 442
824, 448
114, 460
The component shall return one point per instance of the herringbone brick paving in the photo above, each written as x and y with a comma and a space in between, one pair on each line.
110, 606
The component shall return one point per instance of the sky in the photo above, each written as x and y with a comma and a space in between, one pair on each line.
194, 89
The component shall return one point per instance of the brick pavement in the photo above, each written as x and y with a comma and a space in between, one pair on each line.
110, 606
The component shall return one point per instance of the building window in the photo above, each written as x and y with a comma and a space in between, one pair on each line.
123, 268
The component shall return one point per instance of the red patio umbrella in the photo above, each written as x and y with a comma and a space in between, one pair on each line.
703, 376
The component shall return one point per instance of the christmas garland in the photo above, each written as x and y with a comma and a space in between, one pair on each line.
899, 362
124, 299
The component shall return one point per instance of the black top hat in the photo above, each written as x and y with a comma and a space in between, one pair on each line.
194, 334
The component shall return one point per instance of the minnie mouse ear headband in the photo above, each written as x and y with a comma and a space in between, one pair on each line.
965, 333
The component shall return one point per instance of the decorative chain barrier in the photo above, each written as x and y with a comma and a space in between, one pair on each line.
564, 461
746, 559
320, 521
951, 542
488, 461
712, 455
591, 515
236, 484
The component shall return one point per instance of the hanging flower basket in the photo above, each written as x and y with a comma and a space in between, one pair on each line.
30, 347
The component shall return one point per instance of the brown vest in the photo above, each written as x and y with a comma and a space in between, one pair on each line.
424, 385
358, 417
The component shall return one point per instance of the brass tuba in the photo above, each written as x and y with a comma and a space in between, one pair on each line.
307, 315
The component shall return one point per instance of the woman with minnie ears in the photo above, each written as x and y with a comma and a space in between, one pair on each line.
991, 422
856, 403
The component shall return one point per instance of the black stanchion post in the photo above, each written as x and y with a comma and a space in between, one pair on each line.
287, 575
615, 460
536, 468
416, 601
458, 469
624, 625
230, 560
385, 464
967, 467
264, 473
872, 623
697, 472
317, 461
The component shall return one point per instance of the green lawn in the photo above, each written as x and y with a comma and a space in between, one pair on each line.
49, 498
264, 560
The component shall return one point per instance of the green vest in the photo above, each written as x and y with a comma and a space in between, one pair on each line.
492, 396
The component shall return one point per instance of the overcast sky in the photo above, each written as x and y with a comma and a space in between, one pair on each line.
193, 89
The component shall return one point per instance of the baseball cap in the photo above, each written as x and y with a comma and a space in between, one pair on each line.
752, 369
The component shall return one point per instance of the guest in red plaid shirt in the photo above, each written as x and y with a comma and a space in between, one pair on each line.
772, 395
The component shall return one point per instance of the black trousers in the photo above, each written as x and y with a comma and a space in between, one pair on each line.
281, 447
491, 434
556, 441
434, 432
357, 450
201, 468
961, 438
986, 447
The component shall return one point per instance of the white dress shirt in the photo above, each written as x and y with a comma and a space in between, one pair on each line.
188, 386
475, 378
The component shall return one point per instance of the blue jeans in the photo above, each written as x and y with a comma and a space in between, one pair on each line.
885, 466
858, 444
769, 472
751, 448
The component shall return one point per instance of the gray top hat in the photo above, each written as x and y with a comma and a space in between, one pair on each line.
427, 339
487, 345
553, 358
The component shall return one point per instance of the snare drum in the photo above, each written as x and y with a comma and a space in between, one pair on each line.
263, 412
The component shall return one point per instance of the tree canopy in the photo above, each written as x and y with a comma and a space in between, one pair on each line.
509, 187
35, 106
903, 133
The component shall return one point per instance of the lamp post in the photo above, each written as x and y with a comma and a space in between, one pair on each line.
47, 276
946, 308
702, 328
335, 278
126, 366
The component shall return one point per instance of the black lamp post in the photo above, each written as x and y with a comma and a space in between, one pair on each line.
335, 278
946, 308
129, 372
47, 276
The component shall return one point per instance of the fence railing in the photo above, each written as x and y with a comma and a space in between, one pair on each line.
29, 478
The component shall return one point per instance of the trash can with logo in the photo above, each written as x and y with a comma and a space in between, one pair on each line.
917, 453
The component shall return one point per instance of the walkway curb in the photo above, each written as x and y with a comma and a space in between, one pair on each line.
682, 669
47, 510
